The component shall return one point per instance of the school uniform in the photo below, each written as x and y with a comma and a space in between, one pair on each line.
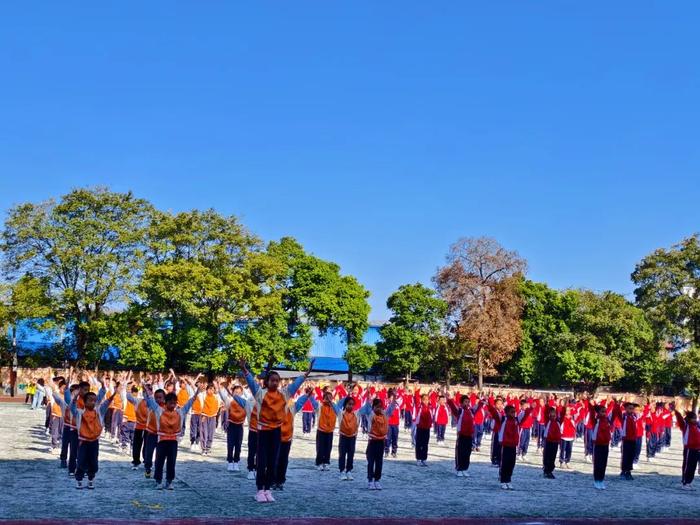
69, 435
568, 434
442, 417
150, 440
117, 416
526, 424
89, 425
691, 449
236, 416
601, 435
465, 434
508, 437
141, 415
628, 433
407, 411
392, 437
195, 416
207, 421
270, 408
128, 426
378, 427
551, 435
307, 416
423, 424
326, 416
168, 428
349, 425
479, 421
183, 396
497, 417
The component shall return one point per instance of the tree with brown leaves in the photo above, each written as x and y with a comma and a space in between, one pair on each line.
480, 285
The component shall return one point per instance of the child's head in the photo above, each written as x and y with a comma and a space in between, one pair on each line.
551, 414
84, 387
349, 404
90, 400
327, 397
510, 411
600, 410
134, 389
441, 399
691, 418
464, 401
273, 381
170, 401
159, 396
524, 403
424, 399
73, 389
499, 403
629, 408
169, 387
237, 390
377, 405
210, 389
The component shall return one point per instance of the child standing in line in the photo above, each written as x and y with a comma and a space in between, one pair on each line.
195, 417
441, 417
498, 415
287, 435
168, 424
56, 418
526, 422
89, 424
207, 418
568, 434
628, 432
377, 423
235, 406
479, 422
508, 438
465, 434
551, 436
600, 439
327, 416
349, 424
691, 447
128, 428
270, 405
423, 423
392, 437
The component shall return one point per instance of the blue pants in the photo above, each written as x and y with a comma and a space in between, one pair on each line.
637, 450
588, 443
524, 441
652, 443
667, 435
234, 440
407, 419
565, 448
149, 446
268, 451
346, 453
194, 428
440, 432
616, 435
306, 421
478, 434
392, 439
126, 433
88, 452
165, 451
207, 427
69, 447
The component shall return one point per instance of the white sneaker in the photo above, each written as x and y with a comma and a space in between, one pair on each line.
79, 485
510, 486
596, 485
371, 486
465, 474
524, 457
159, 486
319, 467
423, 464
236, 468
587, 458
418, 463
343, 476
50, 450
91, 484
349, 477
251, 474
377, 485
460, 474
134, 467
229, 467
689, 486
601, 484
504, 486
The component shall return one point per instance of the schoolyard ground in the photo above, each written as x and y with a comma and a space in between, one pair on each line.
34, 488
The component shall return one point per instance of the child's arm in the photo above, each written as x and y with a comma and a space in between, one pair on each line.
390, 409
291, 389
150, 401
680, 420
453, 408
299, 403
252, 384
186, 408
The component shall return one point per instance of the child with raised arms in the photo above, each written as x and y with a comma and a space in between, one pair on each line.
235, 405
465, 434
377, 424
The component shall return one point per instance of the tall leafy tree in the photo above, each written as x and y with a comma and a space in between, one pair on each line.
668, 289
687, 372
88, 250
480, 285
417, 318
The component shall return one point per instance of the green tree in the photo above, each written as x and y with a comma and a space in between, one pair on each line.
668, 289
87, 249
417, 317
687, 372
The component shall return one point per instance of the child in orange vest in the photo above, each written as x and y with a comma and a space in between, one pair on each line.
286, 441
378, 427
89, 425
327, 414
349, 424
270, 406
208, 417
169, 424
235, 406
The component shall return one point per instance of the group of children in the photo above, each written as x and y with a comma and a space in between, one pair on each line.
150, 418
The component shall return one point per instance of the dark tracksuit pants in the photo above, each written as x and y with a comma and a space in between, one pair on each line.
600, 461
234, 440
56, 430
282, 462
346, 453
194, 428
507, 463
627, 457
392, 439
149, 446
495, 449
407, 419
207, 427
440, 432
166, 450
690, 463
637, 450
422, 440
463, 452
652, 443
252, 450
324, 445
549, 456
375, 458
116, 423
126, 433
88, 456
268, 451
565, 448
69, 447
478, 434
137, 449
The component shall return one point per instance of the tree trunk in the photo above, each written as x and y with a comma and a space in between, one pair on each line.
480, 364
695, 403
81, 340
349, 374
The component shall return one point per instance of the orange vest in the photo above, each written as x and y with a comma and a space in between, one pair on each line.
348, 424
90, 426
253, 423
117, 402
130, 412
379, 427
141, 415
56, 409
170, 425
211, 405
272, 410
236, 413
288, 427
182, 397
151, 423
196, 406
326, 418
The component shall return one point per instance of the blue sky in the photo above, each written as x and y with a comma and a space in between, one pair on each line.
377, 133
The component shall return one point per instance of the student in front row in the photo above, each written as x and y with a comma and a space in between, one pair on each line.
235, 406
169, 426
508, 438
89, 425
287, 433
551, 436
465, 434
349, 424
327, 414
691, 447
600, 437
378, 427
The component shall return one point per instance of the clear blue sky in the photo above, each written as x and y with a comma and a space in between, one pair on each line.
377, 133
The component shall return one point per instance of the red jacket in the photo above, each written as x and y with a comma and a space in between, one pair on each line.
552, 431
509, 434
601, 431
465, 419
442, 415
423, 417
628, 424
568, 429
691, 433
